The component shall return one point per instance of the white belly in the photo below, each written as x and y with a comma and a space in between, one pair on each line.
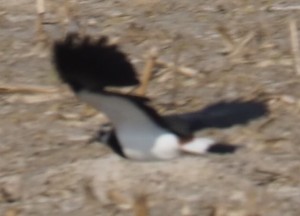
164, 147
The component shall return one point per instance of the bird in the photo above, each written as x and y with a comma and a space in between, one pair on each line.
137, 131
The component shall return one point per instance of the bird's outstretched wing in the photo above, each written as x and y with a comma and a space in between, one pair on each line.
223, 114
92, 65
83, 62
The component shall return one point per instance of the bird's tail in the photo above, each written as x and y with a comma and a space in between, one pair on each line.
207, 145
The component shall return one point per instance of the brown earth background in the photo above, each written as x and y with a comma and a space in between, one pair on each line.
227, 50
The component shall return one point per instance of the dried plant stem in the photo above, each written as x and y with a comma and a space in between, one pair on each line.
283, 8
147, 73
227, 39
40, 8
187, 71
175, 75
140, 205
241, 45
295, 44
26, 89
68, 11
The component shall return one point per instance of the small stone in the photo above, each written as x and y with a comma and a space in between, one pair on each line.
92, 22
12, 212
115, 13
186, 211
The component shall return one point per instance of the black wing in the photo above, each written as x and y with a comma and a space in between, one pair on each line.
221, 115
84, 63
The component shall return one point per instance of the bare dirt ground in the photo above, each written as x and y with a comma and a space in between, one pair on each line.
46, 165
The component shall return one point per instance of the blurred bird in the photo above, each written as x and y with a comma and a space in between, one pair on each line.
137, 131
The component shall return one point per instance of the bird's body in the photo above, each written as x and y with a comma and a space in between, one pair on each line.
142, 138
140, 135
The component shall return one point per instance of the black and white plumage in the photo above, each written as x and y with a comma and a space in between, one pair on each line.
139, 132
